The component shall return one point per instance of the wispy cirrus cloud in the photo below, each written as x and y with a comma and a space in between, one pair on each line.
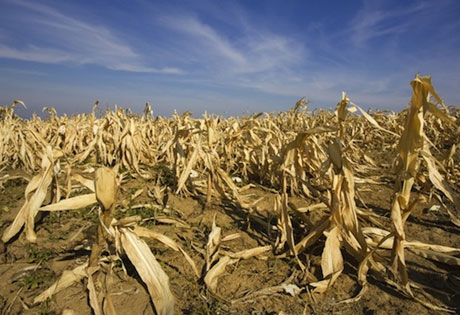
373, 21
209, 38
279, 64
247, 51
55, 37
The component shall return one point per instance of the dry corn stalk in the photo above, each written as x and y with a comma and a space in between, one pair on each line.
341, 227
149, 269
214, 270
35, 195
412, 143
105, 183
126, 240
136, 249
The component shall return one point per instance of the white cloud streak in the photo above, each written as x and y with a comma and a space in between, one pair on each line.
270, 63
74, 41
209, 37
250, 52
372, 22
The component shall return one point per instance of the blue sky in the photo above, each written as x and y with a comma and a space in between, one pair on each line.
226, 57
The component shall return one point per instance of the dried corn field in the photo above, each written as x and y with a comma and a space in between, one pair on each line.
301, 212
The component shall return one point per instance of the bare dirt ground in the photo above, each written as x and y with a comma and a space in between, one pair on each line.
64, 240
